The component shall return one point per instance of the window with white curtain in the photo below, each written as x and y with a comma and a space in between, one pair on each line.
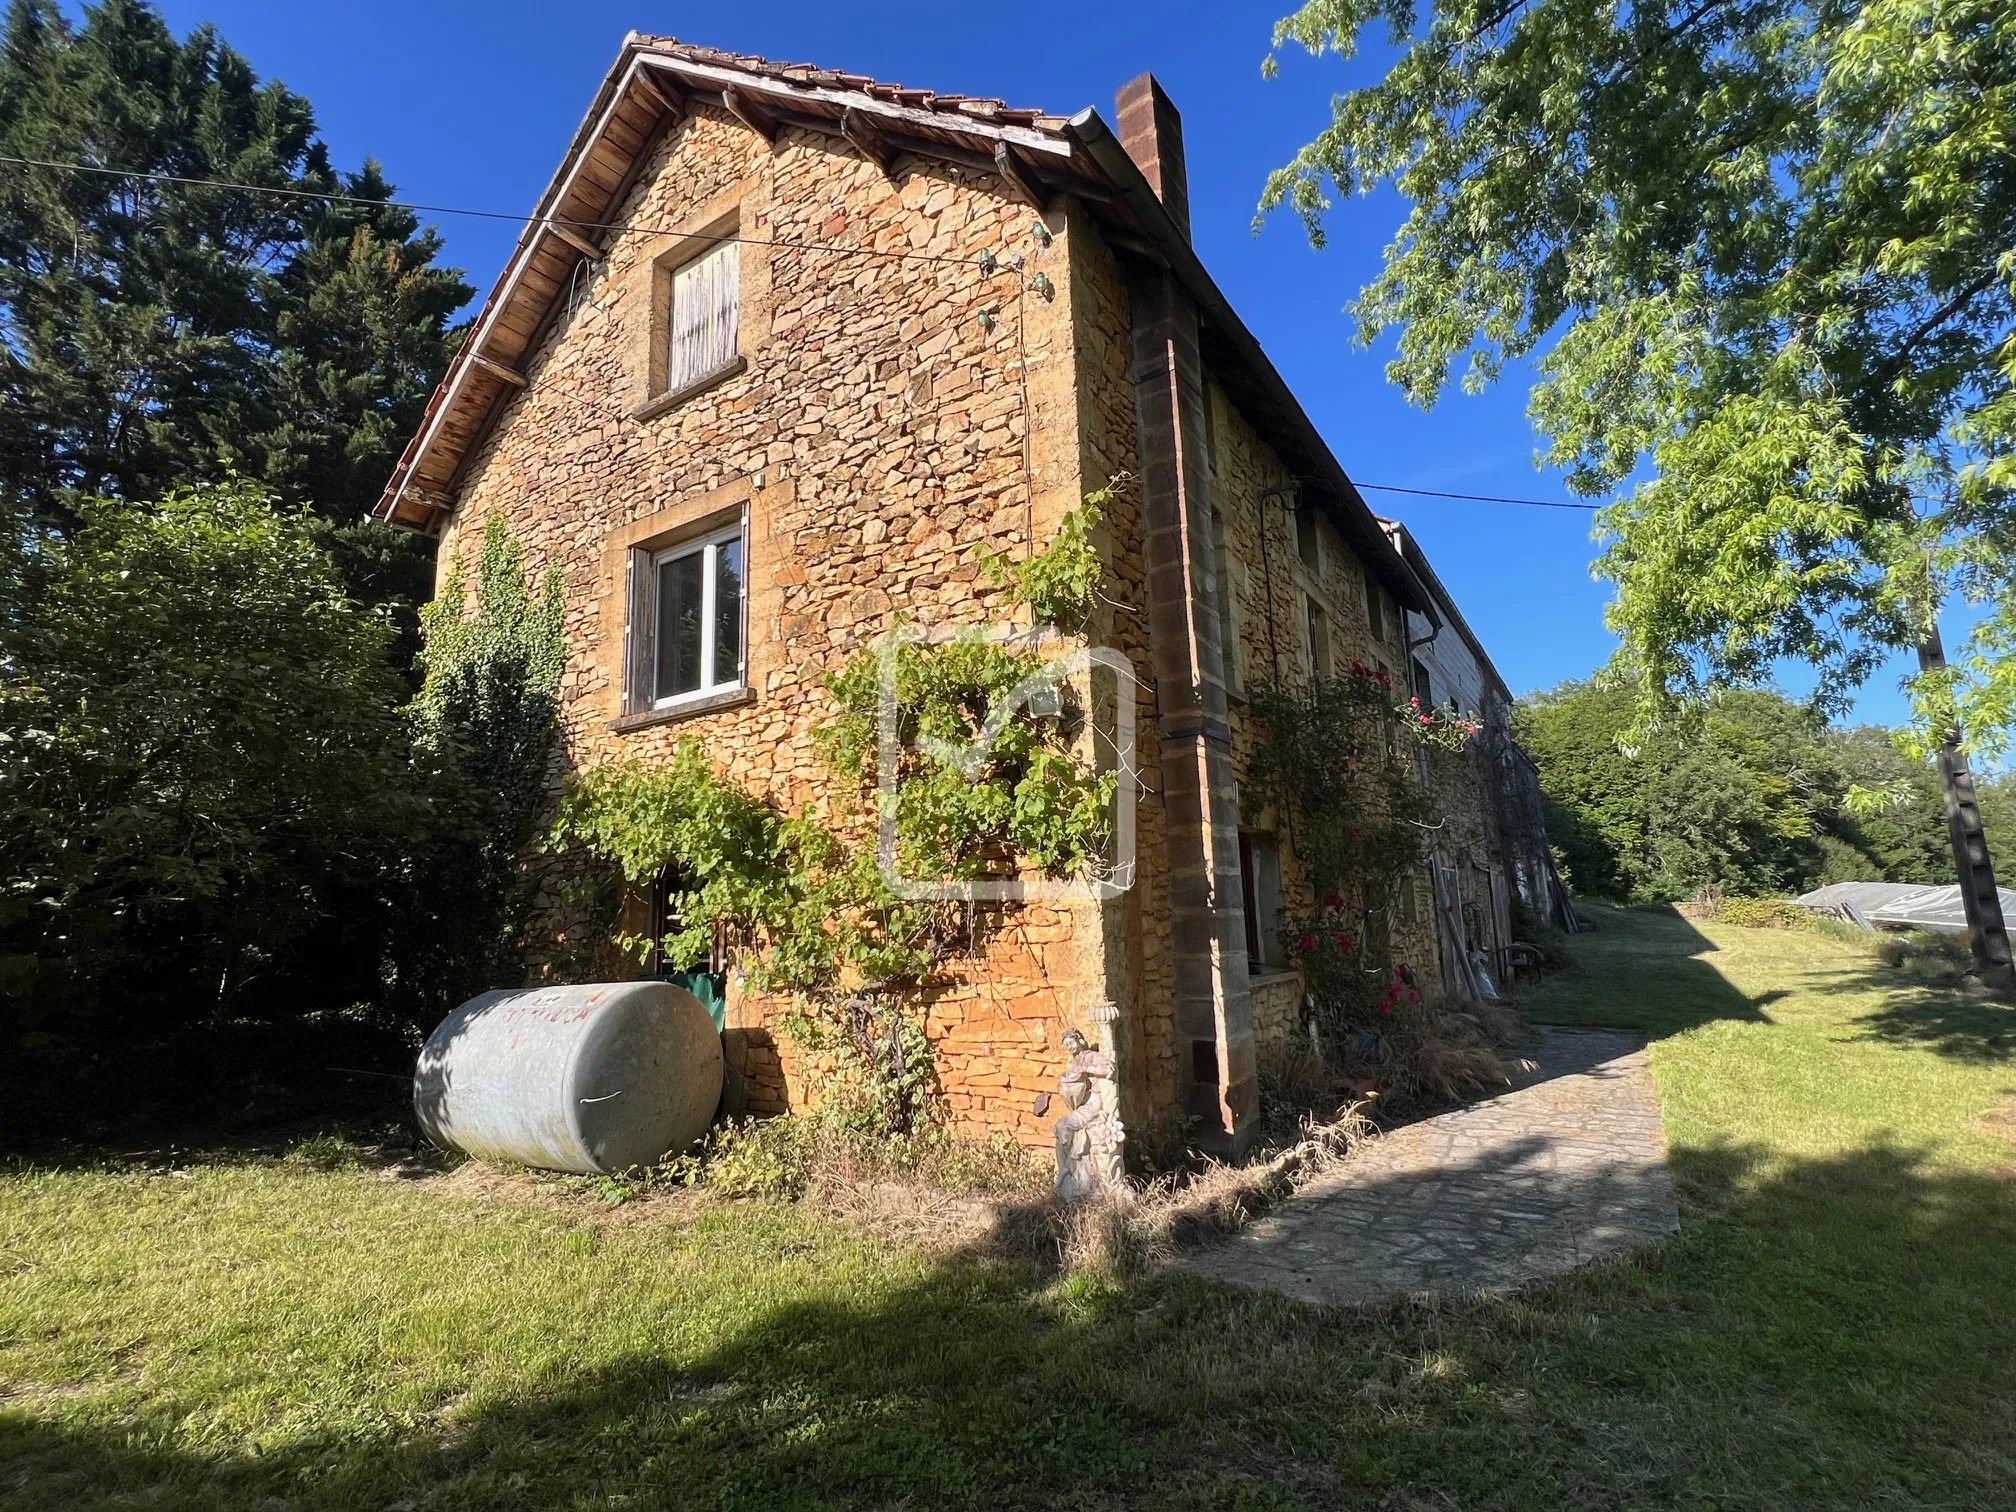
706, 308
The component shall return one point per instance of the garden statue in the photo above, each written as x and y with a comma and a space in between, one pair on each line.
1089, 1135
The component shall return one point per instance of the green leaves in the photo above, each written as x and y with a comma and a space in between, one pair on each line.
986, 784
492, 694
1763, 249
1060, 583
1749, 792
205, 769
156, 334
1334, 761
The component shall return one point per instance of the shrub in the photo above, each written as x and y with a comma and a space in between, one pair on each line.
1934, 959
205, 778
1762, 913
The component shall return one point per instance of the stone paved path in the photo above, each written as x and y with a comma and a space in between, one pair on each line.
1566, 1169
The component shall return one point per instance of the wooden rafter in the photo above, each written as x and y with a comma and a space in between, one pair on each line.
857, 128
510, 375
575, 239
670, 97
1014, 178
1135, 245
744, 108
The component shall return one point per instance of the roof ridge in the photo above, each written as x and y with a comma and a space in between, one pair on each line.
811, 75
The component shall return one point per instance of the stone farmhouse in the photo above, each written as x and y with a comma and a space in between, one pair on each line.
781, 353
1492, 847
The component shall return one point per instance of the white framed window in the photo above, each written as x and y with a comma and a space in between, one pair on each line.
704, 318
688, 620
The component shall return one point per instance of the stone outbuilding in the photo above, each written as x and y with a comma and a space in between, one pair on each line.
780, 355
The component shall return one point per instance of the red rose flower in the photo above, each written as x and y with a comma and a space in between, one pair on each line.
1344, 941
1413, 997
1333, 901
1305, 944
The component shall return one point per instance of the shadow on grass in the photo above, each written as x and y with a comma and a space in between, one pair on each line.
1642, 969
245, 1084
1978, 1031
1821, 1334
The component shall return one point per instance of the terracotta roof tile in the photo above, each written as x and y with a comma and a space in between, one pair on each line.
811, 76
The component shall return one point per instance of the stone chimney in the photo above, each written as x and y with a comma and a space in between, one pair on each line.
1152, 133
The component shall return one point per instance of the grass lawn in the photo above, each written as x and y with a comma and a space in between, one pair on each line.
1835, 1325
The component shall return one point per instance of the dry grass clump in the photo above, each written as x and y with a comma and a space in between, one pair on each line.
1133, 1232
1436, 1055
785, 1159
1936, 960
1711, 905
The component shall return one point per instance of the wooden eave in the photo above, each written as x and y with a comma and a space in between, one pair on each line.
1449, 615
1234, 357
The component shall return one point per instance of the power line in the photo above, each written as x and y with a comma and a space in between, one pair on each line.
1439, 493
330, 197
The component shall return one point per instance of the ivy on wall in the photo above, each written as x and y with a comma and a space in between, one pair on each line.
489, 711
492, 693
989, 785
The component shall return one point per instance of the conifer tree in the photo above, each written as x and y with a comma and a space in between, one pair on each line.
155, 334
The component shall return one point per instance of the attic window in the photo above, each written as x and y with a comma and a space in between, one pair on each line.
696, 318
706, 310
1308, 544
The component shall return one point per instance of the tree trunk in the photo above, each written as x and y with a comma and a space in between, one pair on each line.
1986, 934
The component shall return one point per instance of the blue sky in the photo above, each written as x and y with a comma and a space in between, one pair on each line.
471, 104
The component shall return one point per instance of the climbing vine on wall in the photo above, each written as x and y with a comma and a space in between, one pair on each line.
488, 712
1061, 583
989, 785
492, 694
1335, 760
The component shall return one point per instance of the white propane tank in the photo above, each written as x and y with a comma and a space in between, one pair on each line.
586, 1079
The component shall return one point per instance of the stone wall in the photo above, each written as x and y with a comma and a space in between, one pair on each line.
1277, 1014
1138, 931
1269, 586
894, 416
879, 437
1471, 843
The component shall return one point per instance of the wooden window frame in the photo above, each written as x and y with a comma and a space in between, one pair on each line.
723, 232
1316, 637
